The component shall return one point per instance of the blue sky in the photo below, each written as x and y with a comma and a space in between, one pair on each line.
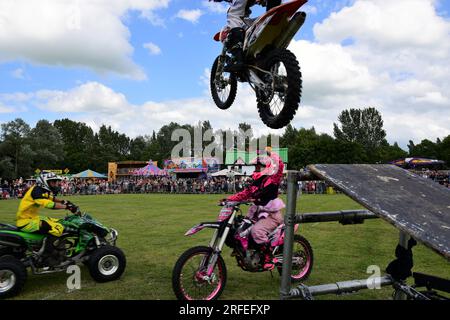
97, 68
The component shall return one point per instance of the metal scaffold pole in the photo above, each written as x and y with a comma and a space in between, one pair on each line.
289, 236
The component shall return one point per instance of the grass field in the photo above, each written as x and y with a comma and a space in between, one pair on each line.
151, 231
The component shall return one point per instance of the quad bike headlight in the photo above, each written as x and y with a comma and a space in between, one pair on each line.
113, 235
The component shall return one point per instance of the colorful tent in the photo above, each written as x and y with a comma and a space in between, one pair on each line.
415, 162
226, 173
149, 170
89, 174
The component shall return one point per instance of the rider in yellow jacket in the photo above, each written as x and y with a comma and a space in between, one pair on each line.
42, 195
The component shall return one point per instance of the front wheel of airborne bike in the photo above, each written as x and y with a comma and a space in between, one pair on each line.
223, 84
278, 104
189, 277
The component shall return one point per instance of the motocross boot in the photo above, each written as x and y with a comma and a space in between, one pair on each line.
235, 44
269, 262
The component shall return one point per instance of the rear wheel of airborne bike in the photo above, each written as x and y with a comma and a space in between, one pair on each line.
278, 104
302, 259
223, 84
13, 275
106, 264
189, 276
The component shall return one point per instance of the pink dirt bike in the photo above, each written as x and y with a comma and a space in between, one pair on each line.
271, 70
200, 272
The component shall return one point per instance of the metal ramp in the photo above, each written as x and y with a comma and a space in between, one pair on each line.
418, 207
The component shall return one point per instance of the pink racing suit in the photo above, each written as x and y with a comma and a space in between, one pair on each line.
268, 218
266, 211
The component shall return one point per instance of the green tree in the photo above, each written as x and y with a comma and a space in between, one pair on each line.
363, 126
80, 145
387, 153
16, 147
137, 148
444, 150
46, 142
426, 149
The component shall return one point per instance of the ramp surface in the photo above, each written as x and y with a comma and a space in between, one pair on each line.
415, 205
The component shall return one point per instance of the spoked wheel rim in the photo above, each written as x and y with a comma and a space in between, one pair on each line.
280, 98
222, 83
108, 265
278, 90
7, 280
193, 282
301, 260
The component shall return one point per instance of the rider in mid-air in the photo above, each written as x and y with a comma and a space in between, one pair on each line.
264, 190
238, 10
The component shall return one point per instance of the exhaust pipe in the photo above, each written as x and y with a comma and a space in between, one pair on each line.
294, 25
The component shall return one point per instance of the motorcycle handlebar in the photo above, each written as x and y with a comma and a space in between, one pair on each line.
235, 203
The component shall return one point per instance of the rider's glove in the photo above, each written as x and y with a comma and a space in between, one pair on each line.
72, 208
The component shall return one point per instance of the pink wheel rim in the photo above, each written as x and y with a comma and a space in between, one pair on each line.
307, 265
198, 277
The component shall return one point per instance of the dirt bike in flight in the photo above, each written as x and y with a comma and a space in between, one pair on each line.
271, 70
200, 272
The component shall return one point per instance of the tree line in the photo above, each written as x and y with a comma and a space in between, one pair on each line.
359, 137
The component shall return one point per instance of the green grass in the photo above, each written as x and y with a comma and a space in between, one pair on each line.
152, 228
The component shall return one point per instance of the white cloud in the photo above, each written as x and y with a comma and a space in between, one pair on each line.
215, 7
91, 97
398, 60
407, 81
97, 104
152, 48
5, 109
192, 16
330, 70
19, 74
310, 9
154, 19
386, 24
72, 33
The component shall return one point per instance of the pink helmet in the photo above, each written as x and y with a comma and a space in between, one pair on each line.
273, 164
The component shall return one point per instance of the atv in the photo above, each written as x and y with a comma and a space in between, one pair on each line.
85, 241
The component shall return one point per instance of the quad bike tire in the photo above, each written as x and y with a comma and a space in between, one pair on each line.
106, 264
293, 92
214, 90
13, 276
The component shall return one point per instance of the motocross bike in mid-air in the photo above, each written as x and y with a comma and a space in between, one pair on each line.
88, 242
271, 70
200, 272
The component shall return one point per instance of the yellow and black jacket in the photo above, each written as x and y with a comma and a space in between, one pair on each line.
27, 216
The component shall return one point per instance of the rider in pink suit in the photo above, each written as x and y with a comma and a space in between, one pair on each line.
267, 207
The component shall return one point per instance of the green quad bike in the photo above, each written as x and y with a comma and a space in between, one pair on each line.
88, 242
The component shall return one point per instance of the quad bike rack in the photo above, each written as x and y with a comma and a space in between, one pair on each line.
418, 207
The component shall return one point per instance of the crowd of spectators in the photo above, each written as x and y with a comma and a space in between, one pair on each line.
13, 189
155, 185
441, 177
216, 185
213, 185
